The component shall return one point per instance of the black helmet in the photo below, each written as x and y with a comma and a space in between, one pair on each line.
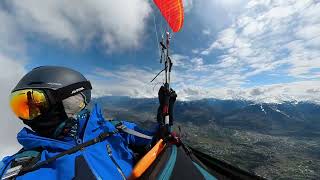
64, 81
40, 96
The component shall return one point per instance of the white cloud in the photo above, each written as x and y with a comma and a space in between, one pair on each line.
126, 81
309, 32
206, 32
205, 52
227, 37
274, 37
269, 36
231, 3
12, 55
116, 24
187, 5
180, 60
197, 64
282, 11
11, 40
11, 72
275, 93
253, 28
195, 51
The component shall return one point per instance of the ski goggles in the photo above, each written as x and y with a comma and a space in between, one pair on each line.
28, 104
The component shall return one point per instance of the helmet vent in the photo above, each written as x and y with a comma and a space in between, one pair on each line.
37, 82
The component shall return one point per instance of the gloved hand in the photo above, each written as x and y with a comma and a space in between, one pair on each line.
167, 98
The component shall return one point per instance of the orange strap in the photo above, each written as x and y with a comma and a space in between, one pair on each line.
147, 160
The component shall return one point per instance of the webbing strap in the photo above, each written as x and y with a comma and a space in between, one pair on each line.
98, 139
120, 126
133, 132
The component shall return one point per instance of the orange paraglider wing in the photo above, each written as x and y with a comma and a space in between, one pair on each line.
172, 11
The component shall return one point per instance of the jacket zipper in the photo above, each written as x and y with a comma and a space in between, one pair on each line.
114, 161
80, 139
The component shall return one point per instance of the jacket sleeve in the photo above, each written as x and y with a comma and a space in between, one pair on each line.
2, 166
138, 141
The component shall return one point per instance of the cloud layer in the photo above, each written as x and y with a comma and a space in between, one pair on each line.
117, 25
127, 81
272, 47
272, 36
10, 125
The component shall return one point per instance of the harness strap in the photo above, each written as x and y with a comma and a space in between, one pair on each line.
121, 127
36, 166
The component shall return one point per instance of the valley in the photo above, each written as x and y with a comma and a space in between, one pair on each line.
276, 141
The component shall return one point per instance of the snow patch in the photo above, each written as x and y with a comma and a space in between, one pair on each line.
277, 110
262, 109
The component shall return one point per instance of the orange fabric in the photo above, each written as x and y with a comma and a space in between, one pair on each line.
172, 11
147, 160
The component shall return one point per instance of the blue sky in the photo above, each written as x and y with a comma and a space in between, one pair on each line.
224, 48
262, 50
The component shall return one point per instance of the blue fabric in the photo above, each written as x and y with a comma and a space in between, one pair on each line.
96, 155
206, 175
167, 171
5, 162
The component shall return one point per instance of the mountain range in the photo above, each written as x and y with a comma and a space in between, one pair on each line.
288, 118
276, 141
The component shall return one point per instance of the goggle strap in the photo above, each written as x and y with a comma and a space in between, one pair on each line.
72, 89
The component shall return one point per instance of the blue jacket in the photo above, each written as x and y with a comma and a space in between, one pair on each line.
95, 156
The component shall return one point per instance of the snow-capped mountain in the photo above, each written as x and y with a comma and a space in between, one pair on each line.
294, 118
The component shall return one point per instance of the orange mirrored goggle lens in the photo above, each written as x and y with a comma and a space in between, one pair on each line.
29, 103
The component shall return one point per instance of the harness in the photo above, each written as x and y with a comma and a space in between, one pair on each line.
28, 160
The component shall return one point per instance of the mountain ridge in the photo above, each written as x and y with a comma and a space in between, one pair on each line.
258, 101
295, 118
269, 139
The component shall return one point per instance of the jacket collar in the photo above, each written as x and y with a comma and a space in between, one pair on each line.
29, 139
